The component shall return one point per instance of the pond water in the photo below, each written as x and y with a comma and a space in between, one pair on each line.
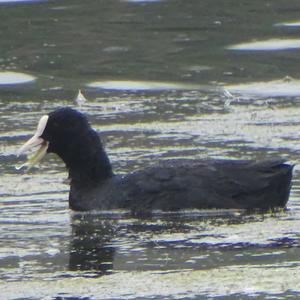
163, 79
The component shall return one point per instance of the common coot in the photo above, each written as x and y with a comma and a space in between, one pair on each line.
168, 185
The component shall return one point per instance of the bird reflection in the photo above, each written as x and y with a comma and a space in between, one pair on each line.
90, 249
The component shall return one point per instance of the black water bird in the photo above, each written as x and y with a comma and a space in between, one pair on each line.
168, 185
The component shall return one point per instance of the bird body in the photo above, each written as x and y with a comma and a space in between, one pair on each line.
171, 185
168, 185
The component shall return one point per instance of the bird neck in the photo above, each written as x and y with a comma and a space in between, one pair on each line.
87, 161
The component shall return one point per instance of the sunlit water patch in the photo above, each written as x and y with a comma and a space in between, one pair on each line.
267, 45
232, 282
145, 258
20, 1
242, 127
287, 87
7, 78
141, 85
289, 24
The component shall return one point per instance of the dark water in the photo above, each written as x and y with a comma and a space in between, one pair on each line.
163, 79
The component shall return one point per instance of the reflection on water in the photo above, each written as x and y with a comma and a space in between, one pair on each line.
15, 78
12, 1
141, 85
268, 45
289, 24
90, 249
152, 73
288, 87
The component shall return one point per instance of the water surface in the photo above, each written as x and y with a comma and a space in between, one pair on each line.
162, 80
